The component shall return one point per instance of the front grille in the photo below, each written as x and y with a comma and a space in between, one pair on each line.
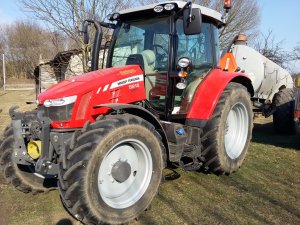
57, 113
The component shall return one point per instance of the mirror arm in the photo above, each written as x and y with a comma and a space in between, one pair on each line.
180, 12
97, 38
108, 25
96, 46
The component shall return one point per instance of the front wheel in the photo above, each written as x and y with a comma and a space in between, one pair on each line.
112, 170
22, 177
227, 134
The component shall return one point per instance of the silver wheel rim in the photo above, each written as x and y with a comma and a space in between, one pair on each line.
236, 130
124, 192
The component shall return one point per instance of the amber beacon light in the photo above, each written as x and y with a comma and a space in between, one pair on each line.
227, 4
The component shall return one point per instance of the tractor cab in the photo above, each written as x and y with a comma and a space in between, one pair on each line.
175, 44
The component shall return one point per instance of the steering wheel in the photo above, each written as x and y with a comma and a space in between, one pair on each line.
161, 56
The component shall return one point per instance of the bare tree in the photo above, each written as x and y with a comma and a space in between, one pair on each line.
67, 15
272, 49
24, 43
244, 17
296, 52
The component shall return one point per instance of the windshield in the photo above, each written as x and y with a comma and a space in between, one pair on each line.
149, 38
146, 43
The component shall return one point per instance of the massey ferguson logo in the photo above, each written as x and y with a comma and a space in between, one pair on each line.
126, 81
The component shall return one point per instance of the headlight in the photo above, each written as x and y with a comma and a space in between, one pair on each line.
60, 101
59, 109
184, 62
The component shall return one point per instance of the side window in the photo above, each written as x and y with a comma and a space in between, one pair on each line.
199, 49
130, 41
196, 47
216, 42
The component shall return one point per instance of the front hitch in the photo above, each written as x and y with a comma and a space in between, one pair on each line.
23, 125
19, 147
44, 164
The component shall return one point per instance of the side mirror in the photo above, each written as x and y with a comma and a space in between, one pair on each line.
192, 21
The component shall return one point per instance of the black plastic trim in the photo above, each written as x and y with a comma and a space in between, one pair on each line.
196, 123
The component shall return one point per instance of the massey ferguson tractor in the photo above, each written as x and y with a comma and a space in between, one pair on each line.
104, 137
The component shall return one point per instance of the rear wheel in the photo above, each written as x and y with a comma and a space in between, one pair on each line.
112, 170
227, 134
22, 177
283, 118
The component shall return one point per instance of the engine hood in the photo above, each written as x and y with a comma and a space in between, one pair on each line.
88, 82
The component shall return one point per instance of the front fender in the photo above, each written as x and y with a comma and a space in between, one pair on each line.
143, 113
209, 91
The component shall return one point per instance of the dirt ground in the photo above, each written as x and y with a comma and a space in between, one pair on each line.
264, 191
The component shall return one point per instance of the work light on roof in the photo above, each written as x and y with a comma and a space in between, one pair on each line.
169, 6
158, 8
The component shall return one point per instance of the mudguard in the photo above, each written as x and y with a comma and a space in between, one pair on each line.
210, 90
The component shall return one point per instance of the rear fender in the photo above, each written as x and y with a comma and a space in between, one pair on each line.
210, 90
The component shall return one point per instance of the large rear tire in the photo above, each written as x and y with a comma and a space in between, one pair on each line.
112, 170
22, 177
227, 134
283, 118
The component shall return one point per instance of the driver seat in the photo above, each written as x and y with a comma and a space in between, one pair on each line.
146, 60
149, 61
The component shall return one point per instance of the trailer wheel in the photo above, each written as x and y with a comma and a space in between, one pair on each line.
112, 170
283, 118
227, 134
22, 177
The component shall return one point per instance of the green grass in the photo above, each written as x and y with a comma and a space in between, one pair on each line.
266, 190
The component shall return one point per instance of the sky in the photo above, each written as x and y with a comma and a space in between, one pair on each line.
282, 17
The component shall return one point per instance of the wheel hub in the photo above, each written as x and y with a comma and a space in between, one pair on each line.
121, 171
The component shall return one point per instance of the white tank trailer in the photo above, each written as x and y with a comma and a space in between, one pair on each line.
273, 86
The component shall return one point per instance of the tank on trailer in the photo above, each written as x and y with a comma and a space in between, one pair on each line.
267, 77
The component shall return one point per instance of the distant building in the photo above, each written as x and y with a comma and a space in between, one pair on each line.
63, 66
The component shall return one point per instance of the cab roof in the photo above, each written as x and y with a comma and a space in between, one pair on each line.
216, 16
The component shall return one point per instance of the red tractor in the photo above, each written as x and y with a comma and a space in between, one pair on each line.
106, 136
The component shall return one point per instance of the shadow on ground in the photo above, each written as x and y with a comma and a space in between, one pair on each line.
64, 222
265, 134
